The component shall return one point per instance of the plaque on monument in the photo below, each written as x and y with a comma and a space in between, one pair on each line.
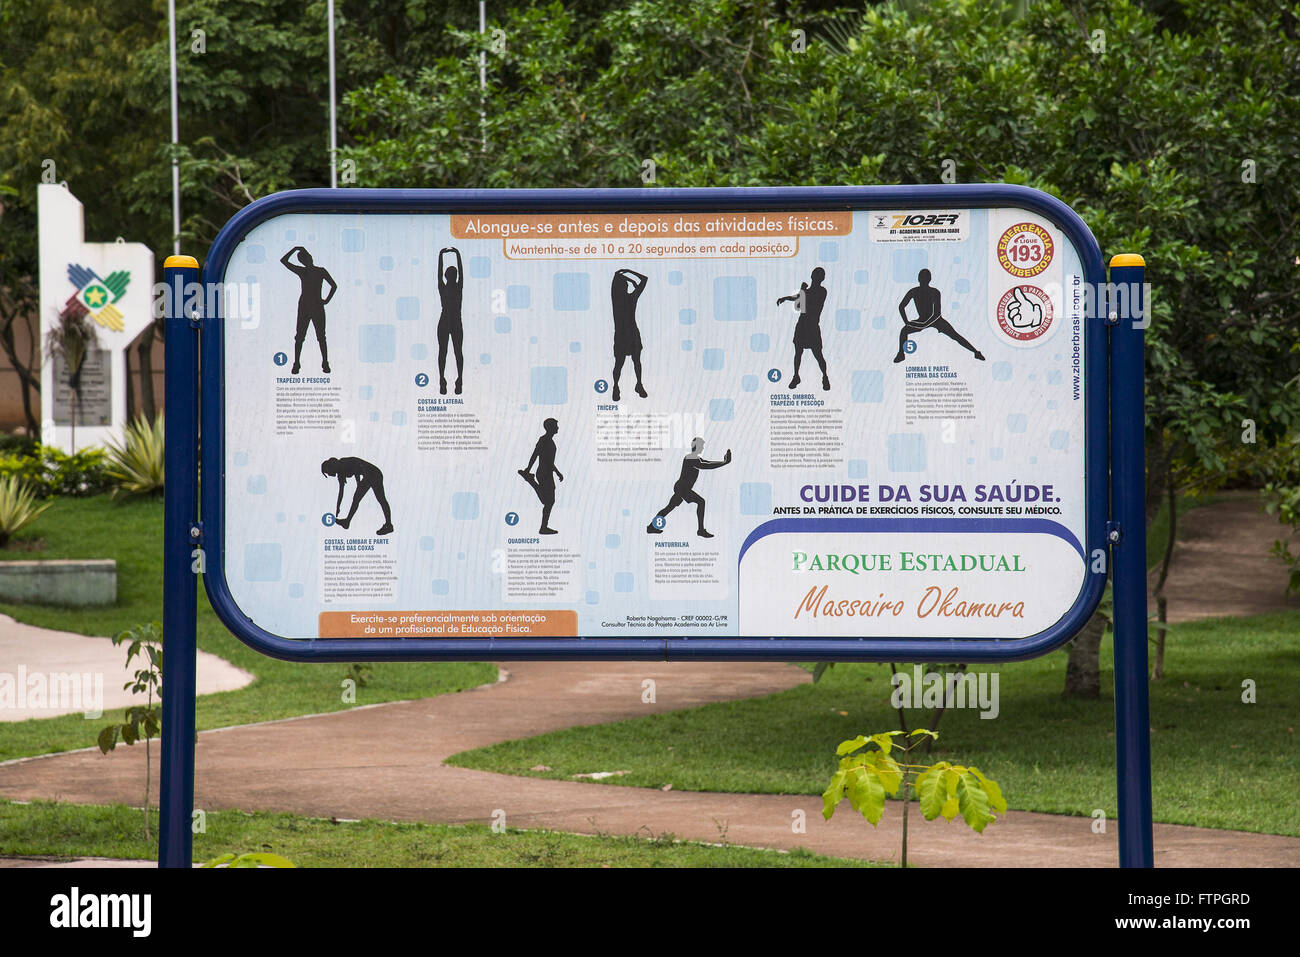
95, 403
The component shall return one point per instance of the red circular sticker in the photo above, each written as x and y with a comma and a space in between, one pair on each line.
1025, 313
1025, 250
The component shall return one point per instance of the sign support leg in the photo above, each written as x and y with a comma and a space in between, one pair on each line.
180, 589
1128, 511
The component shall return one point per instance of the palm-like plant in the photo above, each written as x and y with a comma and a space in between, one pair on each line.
18, 507
136, 464
70, 339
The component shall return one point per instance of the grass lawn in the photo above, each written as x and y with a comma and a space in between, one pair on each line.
47, 829
1216, 762
131, 532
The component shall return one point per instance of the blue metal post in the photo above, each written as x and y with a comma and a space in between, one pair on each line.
1129, 319
180, 501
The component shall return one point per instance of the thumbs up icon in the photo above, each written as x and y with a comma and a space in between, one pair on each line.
1023, 312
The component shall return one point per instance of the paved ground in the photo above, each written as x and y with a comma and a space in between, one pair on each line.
386, 761
92, 667
1222, 566
76, 864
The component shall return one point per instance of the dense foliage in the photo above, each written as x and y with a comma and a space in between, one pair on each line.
48, 470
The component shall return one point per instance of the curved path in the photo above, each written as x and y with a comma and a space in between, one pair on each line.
81, 673
385, 761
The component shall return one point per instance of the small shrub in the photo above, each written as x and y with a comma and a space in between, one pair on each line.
76, 473
140, 722
51, 471
136, 465
17, 444
18, 507
866, 776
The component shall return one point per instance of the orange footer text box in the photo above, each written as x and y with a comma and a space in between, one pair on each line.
553, 623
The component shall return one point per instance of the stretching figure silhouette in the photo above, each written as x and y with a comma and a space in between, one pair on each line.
368, 479
624, 291
808, 330
929, 312
451, 290
684, 488
543, 483
311, 307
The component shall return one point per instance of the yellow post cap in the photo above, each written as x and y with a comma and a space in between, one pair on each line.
1127, 259
182, 262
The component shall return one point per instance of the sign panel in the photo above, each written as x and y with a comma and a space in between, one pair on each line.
835, 421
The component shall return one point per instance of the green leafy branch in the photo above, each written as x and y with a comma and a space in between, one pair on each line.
140, 721
867, 777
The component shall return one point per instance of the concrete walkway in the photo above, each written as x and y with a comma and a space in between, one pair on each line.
386, 762
1222, 566
46, 673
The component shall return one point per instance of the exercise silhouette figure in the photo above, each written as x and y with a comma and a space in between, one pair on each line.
543, 483
451, 290
368, 479
311, 307
684, 488
808, 330
624, 291
929, 313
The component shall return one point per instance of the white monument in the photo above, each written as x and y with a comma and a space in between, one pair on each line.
113, 284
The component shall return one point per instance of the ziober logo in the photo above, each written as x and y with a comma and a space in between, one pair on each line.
905, 225
903, 220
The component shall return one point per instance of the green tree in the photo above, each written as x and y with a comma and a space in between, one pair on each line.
84, 99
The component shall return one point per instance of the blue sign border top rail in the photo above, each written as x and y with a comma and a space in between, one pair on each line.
751, 199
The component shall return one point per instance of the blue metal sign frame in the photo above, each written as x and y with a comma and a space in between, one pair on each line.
684, 647
1114, 483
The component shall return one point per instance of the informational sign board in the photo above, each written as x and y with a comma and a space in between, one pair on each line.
842, 418
850, 424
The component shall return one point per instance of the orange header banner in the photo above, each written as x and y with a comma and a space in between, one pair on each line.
652, 225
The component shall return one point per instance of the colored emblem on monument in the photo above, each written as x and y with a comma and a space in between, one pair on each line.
98, 296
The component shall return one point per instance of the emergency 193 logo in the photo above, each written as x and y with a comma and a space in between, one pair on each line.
1024, 313
1025, 250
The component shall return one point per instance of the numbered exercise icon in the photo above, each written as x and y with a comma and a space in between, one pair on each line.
773, 375
512, 518
280, 358
909, 347
601, 386
659, 521
422, 379
327, 519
